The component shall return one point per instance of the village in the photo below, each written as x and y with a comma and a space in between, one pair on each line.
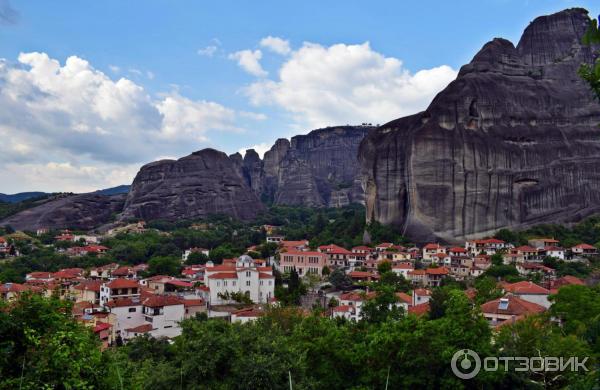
120, 302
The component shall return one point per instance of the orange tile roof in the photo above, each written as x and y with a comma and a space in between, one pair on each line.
162, 300
122, 283
516, 306
525, 287
420, 309
223, 275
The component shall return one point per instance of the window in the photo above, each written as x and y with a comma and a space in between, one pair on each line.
247, 283
218, 284
261, 283
233, 283
132, 309
225, 283
248, 274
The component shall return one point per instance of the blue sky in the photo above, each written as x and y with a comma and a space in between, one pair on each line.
185, 88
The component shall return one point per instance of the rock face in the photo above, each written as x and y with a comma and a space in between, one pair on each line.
513, 141
317, 169
203, 183
84, 211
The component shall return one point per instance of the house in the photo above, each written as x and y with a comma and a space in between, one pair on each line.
555, 251
526, 269
420, 309
193, 307
4, 246
351, 304
420, 295
383, 246
129, 314
164, 313
118, 289
404, 301
258, 283
337, 257
303, 262
11, 291
39, 277
124, 272
457, 251
363, 276
430, 250
417, 276
530, 292
584, 250
528, 253
344, 311
509, 307
488, 246
403, 269
274, 239
188, 252
247, 315
541, 243
103, 272
554, 285
434, 276
290, 246
87, 291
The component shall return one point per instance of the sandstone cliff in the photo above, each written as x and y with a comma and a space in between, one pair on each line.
513, 141
203, 183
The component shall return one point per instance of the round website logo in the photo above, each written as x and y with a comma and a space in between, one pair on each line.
465, 364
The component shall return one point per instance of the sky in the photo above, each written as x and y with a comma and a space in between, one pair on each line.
91, 91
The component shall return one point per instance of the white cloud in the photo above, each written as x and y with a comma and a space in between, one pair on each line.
253, 115
74, 117
114, 68
261, 149
339, 84
276, 44
150, 75
208, 51
249, 61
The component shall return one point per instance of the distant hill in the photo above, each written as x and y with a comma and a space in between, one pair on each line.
123, 189
21, 196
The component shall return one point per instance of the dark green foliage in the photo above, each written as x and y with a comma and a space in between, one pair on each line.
339, 279
591, 72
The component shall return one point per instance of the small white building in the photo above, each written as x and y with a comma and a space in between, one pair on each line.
530, 292
119, 289
556, 252
164, 312
403, 269
129, 315
188, 252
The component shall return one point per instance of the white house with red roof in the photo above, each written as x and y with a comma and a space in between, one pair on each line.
555, 251
509, 308
258, 283
488, 246
403, 269
164, 313
584, 250
530, 292
129, 315
337, 257
541, 243
420, 296
118, 289
431, 250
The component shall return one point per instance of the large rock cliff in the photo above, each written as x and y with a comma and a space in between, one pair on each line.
317, 169
203, 183
512, 142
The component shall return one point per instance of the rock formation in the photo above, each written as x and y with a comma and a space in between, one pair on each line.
83, 211
203, 183
317, 169
513, 141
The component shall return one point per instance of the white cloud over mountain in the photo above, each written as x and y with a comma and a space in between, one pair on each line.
341, 84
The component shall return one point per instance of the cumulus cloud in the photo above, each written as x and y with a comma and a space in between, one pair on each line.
276, 45
64, 119
341, 84
249, 61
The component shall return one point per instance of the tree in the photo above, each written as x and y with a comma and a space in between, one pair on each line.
497, 259
164, 265
340, 280
382, 307
196, 258
42, 346
384, 266
576, 306
487, 289
591, 72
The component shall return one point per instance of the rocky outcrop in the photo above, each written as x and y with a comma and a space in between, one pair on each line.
203, 183
83, 211
513, 141
317, 169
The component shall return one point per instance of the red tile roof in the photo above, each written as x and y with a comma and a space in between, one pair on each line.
123, 283
526, 248
516, 306
437, 271
404, 297
422, 292
193, 302
89, 285
585, 246
144, 328
123, 302
101, 326
263, 275
221, 268
343, 309
433, 246
457, 249
180, 283
525, 287
420, 309
223, 275
162, 300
